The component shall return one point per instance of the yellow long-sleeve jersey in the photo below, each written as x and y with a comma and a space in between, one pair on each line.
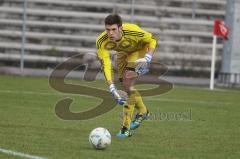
133, 39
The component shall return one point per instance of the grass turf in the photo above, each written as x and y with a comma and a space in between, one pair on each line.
185, 123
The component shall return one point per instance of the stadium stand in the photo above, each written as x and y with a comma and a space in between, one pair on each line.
57, 29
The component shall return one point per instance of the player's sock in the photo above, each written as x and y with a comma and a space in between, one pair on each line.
139, 104
127, 115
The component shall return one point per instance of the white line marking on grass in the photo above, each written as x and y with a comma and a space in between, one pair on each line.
148, 98
188, 101
19, 154
46, 93
43, 93
29, 92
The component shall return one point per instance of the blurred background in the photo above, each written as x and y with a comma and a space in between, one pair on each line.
36, 35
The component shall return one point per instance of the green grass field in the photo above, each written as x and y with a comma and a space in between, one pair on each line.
208, 129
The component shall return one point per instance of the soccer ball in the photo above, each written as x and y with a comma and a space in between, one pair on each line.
99, 138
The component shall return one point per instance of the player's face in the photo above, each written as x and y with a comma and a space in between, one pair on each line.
114, 32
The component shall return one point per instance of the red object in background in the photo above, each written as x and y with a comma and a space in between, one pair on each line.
220, 29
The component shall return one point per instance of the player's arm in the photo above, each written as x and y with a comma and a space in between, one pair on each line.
152, 42
104, 57
143, 63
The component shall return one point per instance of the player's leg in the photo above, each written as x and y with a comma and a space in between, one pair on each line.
129, 108
142, 112
127, 83
128, 76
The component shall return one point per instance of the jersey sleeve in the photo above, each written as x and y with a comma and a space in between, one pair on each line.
148, 38
104, 57
145, 36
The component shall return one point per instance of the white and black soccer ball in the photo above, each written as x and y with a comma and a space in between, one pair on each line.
100, 138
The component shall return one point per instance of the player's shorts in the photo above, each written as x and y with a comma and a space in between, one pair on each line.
126, 61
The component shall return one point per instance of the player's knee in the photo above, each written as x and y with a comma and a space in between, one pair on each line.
128, 80
130, 75
126, 86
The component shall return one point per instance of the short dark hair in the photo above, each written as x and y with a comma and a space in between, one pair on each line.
113, 19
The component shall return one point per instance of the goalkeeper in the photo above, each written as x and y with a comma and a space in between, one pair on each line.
134, 48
